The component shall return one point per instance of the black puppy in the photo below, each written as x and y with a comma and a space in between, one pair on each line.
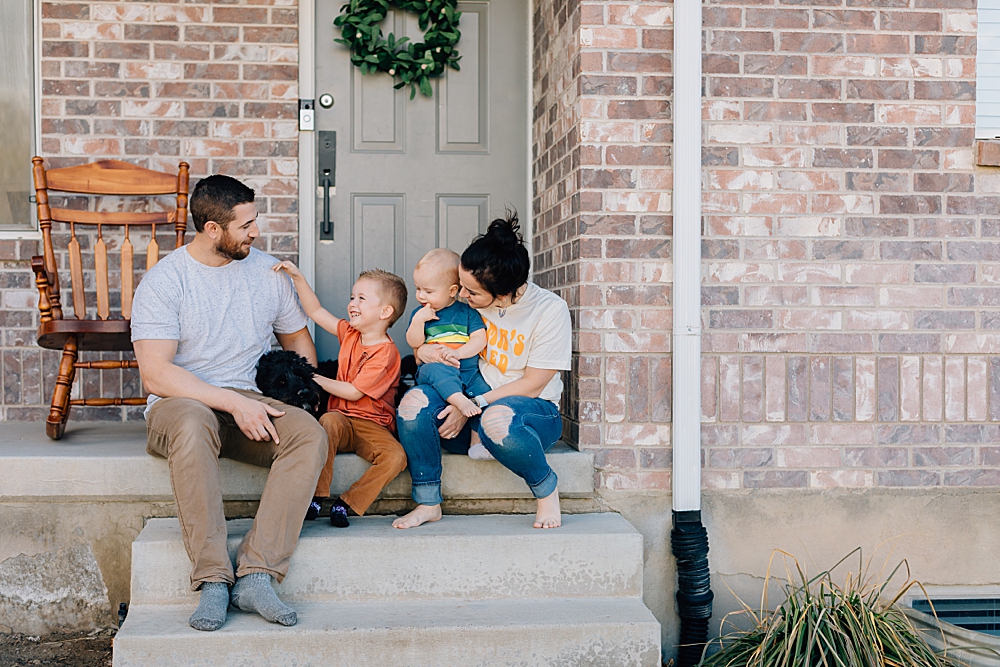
288, 377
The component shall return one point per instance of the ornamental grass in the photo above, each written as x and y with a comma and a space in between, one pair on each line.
822, 623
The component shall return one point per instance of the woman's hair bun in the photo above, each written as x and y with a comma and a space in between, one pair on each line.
498, 258
505, 231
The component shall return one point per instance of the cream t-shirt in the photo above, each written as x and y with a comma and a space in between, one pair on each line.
535, 331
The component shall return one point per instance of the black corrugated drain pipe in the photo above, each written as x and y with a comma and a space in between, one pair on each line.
689, 543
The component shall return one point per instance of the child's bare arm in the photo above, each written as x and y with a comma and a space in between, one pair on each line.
477, 341
344, 390
415, 334
310, 302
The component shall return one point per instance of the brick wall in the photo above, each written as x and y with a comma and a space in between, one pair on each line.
849, 261
852, 248
847, 253
555, 174
213, 84
602, 205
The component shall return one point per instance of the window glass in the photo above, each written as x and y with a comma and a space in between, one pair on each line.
988, 71
16, 114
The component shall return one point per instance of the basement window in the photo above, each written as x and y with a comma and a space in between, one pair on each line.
18, 114
976, 614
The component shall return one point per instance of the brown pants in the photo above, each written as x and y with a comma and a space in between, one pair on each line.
371, 442
193, 437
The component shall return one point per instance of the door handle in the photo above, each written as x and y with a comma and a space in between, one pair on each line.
327, 177
326, 227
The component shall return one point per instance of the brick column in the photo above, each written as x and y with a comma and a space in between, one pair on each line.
602, 180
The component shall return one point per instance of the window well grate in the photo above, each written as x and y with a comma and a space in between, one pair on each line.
977, 614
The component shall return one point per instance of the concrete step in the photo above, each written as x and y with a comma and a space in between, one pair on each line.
544, 632
460, 557
110, 461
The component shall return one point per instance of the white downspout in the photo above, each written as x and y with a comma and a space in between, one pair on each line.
686, 435
688, 538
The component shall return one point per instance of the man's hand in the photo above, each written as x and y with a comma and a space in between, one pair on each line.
253, 418
454, 422
437, 354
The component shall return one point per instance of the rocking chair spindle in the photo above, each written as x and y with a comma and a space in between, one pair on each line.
101, 330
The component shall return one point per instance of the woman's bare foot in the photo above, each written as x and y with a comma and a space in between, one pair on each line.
548, 514
464, 404
424, 514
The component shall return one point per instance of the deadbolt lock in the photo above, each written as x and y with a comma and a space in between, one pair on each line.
326, 100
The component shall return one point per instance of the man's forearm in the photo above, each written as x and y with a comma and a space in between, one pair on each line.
170, 380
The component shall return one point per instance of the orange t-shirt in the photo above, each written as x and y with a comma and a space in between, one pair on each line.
374, 370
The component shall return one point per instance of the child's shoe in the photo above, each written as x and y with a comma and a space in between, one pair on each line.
314, 509
338, 514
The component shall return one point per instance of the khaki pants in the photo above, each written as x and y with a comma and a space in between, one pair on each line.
371, 442
192, 437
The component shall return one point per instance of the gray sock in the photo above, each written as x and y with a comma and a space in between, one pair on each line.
253, 592
211, 611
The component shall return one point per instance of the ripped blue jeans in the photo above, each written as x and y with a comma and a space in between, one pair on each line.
519, 445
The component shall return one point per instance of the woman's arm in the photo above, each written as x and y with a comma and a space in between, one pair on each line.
435, 353
530, 385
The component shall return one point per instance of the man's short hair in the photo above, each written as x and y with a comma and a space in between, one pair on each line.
391, 290
215, 197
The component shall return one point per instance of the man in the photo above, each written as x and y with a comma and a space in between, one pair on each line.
201, 319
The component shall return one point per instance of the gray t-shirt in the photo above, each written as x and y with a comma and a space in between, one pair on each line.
222, 317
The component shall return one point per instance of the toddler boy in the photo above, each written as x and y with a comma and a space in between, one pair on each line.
444, 320
362, 408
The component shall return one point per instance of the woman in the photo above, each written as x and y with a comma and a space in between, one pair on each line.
529, 343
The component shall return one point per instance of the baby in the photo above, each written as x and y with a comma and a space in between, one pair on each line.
441, 319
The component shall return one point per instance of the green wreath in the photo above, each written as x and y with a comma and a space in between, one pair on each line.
414, 64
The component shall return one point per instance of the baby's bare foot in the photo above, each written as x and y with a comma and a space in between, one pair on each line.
548, 514
464, 404
420, 515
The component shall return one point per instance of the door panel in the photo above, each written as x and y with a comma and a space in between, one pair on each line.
463, 96
378, 226
460, 219
417, 174
376, 109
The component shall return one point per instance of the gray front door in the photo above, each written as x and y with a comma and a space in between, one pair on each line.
417, 174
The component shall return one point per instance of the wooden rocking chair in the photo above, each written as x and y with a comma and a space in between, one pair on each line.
101, 331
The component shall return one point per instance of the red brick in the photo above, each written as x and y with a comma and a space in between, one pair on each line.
239, 15
811, 42
783, 18
877, 44
851, 20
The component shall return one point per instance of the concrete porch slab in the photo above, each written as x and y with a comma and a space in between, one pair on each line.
108, 461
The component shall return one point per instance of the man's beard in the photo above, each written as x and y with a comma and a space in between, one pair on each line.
230, 249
